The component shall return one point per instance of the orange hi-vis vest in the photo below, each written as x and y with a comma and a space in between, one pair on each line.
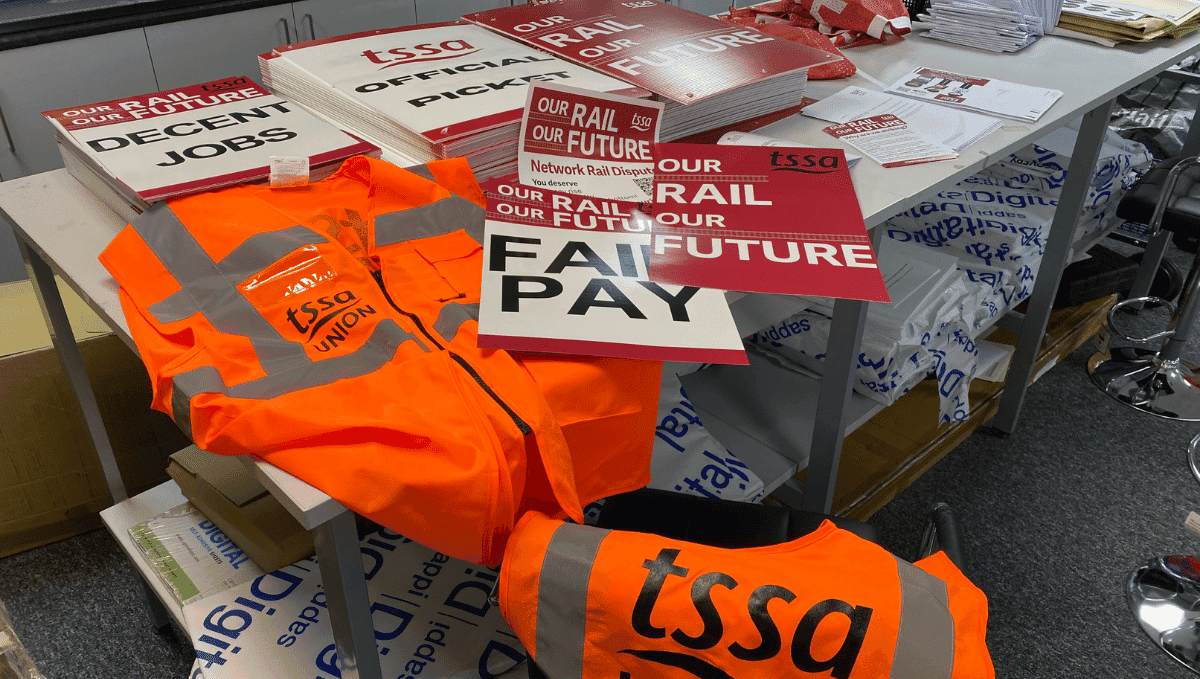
331, 330
590, 603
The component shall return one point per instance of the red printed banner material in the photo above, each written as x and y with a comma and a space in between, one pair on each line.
890, 141
761, 219
670, 51
589, 143
569, 274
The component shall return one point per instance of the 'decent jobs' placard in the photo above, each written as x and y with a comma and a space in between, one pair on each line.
569, 274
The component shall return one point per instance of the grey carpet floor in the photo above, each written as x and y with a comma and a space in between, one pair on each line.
1054, 518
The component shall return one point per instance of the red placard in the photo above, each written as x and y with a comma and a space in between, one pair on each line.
670, 51
761, 219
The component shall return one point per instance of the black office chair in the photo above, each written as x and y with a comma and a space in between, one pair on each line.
1158, 382
728, 524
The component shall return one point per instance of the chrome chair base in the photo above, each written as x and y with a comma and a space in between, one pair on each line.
1164, 597
1141, 380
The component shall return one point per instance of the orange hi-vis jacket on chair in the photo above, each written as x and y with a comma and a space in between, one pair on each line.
331, 330
590, 603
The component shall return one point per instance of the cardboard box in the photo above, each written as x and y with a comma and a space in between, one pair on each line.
227, 492
51, 483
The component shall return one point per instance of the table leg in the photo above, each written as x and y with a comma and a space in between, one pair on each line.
46, 289
340, 561
837, 384
1054, 259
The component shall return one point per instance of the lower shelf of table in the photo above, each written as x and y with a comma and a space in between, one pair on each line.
892, 449
119, 518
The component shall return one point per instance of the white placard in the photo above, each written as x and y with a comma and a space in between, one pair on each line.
570, 274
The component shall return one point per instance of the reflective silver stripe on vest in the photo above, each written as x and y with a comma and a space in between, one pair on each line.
562, 599
422, 171
181, 411
371, 356
211, 288
435, 219
264, 249
174, 307
452, 316
925, 642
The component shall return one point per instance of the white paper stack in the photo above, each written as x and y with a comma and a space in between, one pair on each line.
995, 25
135, 151
427, 92
955, 128
681, 120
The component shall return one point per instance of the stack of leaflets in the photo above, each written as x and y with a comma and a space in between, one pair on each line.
427, 92
983, 95
708, 73
139, 150
1109, 23
956, 129
995, 25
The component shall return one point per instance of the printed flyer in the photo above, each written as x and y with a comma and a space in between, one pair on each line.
590, 143
890, 141
984, 95
570, 274
761, 219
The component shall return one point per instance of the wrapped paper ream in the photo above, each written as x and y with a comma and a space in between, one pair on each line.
431, 616
925, 329
687, 459
191, 555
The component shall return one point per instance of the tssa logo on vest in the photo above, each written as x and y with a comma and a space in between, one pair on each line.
800, 650
336, 315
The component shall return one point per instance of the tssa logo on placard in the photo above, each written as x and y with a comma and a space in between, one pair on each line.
424, 52
806, 163
342, 310
839, 666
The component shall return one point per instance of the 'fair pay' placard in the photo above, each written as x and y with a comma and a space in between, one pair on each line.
589, 143
761, 219
569, 274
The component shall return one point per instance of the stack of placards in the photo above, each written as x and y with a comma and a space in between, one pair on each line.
995, 25
708, 73
428, 92
1133, 21
135, 151
973, 93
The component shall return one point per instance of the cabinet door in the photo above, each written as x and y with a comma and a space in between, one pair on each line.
208, 48
707, 7
429, 11
60, 74
327, 18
